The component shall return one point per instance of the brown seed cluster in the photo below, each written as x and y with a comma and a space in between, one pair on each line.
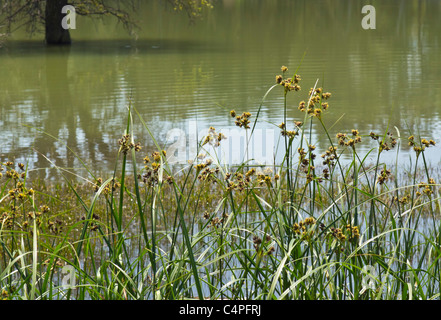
151, 169
316, 104
55, 226
330, 156
384, 176
93, 224
289, 133
403, 200
242, 121
262, 246
307, 162
7, 294
386, 144
264, 179
205, 172
215, 222
11, 173
427, 188
304, 228
112, 186
420, 147
347, 233
18, 206
290, 84
238, 181
349, 141
126, 144
214, 138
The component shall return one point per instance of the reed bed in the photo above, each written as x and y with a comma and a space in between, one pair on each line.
311, 227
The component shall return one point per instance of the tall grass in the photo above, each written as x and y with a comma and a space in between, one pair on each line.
310, 228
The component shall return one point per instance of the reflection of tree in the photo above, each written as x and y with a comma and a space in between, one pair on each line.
72, 86
57, 97
56, 85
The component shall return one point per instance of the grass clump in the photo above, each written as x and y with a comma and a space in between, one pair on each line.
314, 226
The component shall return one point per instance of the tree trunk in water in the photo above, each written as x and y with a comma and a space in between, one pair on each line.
55, 33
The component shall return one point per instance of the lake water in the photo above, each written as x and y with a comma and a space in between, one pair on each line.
183, 78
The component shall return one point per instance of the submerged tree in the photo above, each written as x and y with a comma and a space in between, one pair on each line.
47, 15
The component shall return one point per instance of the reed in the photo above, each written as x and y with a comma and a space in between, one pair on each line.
310, 228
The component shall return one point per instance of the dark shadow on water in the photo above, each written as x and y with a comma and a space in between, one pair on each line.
109, 47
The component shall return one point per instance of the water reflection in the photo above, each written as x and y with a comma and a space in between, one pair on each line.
177, 74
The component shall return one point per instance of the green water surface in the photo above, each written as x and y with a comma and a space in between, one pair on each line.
180, 75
